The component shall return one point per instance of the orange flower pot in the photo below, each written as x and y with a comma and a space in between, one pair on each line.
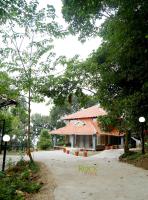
64, 150
67, 151
85, 154
76, 153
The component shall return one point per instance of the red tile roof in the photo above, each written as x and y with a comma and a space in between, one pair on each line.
90, 112
71, 129
83, 124
88, 128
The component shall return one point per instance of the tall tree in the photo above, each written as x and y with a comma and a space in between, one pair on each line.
72, 87
13, 121
27, 51
10, 9
122, 61
39, 122
7, 89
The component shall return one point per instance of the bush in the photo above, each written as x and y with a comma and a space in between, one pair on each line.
131, 155
30, 187
17, 180
45, 140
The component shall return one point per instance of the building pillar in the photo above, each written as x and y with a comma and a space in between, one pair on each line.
94, 141
72, 141
98, 139
54, 140
109, 139
75, 140
122, 141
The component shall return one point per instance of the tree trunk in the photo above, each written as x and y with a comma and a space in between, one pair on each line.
28, 131
126, 143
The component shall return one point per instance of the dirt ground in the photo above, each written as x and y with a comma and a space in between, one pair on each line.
47, 191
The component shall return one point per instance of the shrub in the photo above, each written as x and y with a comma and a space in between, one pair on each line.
17, 180
45, 140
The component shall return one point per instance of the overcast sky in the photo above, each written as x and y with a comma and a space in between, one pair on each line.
69, 47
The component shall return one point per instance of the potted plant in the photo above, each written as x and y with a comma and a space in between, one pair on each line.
106, 147
64, 149
85, 153
76, 153
67, 151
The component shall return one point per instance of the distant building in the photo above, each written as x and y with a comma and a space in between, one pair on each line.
83, 131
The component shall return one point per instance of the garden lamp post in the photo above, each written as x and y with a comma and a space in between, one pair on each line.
2, 134
142, 120
6, 138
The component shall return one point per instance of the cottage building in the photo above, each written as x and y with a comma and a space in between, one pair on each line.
83, 131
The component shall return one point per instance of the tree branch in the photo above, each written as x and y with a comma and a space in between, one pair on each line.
88, 90
17, 48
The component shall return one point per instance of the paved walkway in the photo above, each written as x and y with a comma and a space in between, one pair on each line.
99, 177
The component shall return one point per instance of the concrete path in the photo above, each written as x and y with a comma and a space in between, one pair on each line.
99, 177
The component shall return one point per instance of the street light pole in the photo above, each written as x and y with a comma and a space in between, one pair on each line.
3, 130
6, 138
142, 120
142, 138
4, 156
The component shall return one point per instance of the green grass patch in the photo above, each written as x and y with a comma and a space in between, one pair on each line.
19, 180
132, 155
136, 158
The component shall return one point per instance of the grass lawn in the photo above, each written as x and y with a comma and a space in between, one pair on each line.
15, 153
135, 158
